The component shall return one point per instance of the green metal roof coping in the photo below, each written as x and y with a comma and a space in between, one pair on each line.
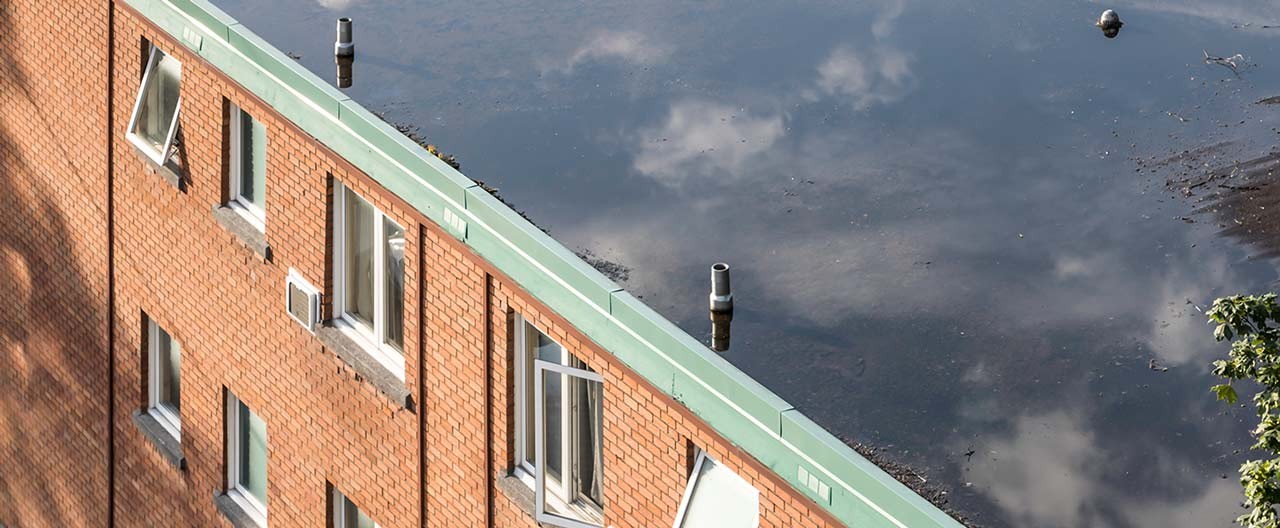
746, 413
214, 19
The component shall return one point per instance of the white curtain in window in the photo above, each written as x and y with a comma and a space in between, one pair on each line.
359, 258
589, 455
171, 380
568, 467
394, 247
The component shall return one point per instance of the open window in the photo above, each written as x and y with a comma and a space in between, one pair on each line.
567, 442
154, 122
716, 496
557, 426
369, 278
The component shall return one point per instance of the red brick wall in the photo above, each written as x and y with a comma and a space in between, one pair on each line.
53, 263
225, 305
442, 461
648, 438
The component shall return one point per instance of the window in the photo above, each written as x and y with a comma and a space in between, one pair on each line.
347, 515
155, 114
716, 496
164, 379
248, 167
558, 430
369, 278
246, 459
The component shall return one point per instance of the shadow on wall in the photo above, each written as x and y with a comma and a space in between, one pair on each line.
53, 317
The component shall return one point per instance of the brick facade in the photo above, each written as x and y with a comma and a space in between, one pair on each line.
54, 373
441, 461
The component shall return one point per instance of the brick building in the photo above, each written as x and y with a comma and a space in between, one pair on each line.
230, 295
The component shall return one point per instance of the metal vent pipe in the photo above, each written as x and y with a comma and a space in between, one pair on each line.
721, 294
344, 47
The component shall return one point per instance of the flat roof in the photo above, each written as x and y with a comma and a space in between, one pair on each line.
951, 235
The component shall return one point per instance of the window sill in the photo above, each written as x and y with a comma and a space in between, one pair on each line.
518, 491
365, 365
169, 172
521, 495
248, 234
233, 512
169, 447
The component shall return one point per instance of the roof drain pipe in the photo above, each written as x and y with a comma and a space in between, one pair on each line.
344, 52
721, 307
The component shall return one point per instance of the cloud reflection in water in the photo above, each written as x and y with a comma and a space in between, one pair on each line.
943, 244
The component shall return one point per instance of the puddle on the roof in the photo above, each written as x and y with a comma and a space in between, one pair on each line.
941, 240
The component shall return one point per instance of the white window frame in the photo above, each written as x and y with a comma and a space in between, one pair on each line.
252, 213
373, 340
523, 364
693, 484
159, 157
167, 416
340, 503
562, 493
242, 497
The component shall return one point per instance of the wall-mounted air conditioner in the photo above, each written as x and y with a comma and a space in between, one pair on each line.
302, 300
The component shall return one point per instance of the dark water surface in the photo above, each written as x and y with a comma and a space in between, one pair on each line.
940, 238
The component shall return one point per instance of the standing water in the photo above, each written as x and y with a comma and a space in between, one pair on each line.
961, 232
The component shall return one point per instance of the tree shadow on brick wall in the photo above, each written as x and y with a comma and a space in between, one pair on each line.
53, 318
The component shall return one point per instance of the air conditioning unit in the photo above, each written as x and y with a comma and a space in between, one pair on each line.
302, 300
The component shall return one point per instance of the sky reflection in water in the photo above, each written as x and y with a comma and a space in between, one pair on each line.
939, 239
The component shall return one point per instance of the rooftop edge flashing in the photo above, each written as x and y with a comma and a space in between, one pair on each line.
811, 459
859, 477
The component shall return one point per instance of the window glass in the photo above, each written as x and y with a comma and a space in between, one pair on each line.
719, 497
530, 340
552, 423
253, 454
164, 378
170, 356
548, 350
253, 155
394, 248
159, 102
359, 266
570, 480
259, 149
349, 515
369, 270
563, 442
539, 346
587, 440
357, 518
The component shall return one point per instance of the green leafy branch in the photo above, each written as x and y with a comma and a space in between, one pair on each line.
1252, 324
